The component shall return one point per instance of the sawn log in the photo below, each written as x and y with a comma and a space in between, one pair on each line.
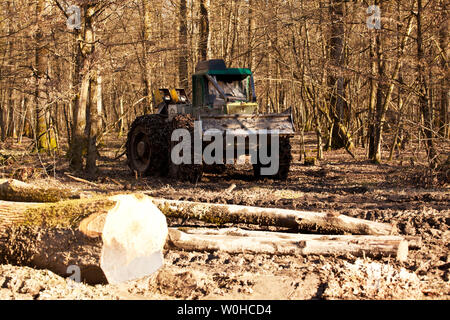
258, 242
69, 213
315, 222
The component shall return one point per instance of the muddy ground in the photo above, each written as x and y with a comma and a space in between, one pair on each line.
397, 192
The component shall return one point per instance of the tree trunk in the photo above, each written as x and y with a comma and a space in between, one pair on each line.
444, 111
183, 77
121, 118
424, 104
94, 125
303, 221
372, 96
204, 32
13, 190
43, 141
78, 125
37, 235
336, 81
11, 123
222, 214
250, 34
147, 7
2, 121
384, 92
56, 236
83, 133
238, 241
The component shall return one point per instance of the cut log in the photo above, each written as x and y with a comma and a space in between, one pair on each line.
58, 237
14, 190
134, 236
64, 214
68, 213
316, 222
257, 242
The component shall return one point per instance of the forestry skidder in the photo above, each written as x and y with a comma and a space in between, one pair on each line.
183, 139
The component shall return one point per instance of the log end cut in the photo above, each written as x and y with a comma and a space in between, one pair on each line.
402, 251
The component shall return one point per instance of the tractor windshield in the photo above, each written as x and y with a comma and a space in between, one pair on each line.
233, 88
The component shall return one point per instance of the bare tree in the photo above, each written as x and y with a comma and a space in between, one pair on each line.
204, 31
183, 78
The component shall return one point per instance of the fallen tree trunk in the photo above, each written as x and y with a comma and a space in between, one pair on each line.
257, 242
58, 236
14, 190
132, 234
68, 213
65, 214
48, 236
218, 214
60, 250
317, 222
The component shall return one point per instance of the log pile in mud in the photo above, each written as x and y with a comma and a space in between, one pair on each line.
305, 221
58, 235
238, 241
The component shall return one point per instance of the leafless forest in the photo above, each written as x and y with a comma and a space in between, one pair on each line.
353, 75
368, 84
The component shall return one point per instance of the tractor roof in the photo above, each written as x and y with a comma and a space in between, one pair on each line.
218, 68
227, 72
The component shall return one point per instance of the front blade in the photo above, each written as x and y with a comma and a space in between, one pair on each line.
244, 124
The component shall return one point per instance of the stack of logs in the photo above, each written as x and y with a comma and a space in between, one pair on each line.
24, 206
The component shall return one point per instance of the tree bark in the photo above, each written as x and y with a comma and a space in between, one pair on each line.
336, 81
257, 242
250, 34
13, 190
204, 32
220, 214
372, 96
303, 221
424, 103
84, 134
183, 80
65, 214
146, 66
43, 138
80, 90
52, 236
444, 111
383, 104
94, 125
56, 236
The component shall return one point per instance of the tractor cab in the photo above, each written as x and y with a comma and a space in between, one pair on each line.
218, 90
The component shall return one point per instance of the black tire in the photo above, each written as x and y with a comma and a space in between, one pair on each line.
184, 172
147, 149
285, 157
215, 168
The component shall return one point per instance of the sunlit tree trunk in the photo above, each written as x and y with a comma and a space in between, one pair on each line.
336, 80
78, 109
44, 140
445, 80
183, 80
424, 103
204, 32
94, 124
87, 102
250, 34
147, 6
372, 96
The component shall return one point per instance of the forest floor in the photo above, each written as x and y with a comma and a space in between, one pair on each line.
395, 192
